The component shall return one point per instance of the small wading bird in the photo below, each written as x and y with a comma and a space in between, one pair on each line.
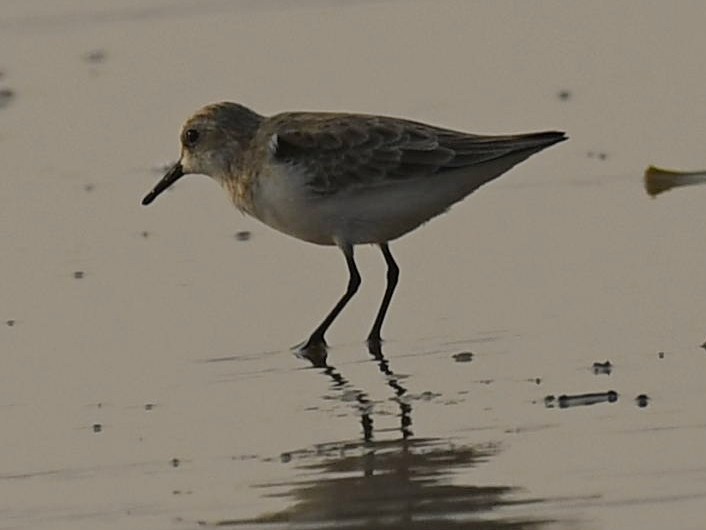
342, 179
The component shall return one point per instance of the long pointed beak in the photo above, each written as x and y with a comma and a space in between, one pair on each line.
174, 174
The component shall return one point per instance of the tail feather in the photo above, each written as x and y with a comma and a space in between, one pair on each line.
473, 149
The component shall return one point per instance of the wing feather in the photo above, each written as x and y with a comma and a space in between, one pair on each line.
342, 151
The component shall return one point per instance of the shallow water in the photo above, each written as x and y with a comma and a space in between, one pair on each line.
148, 379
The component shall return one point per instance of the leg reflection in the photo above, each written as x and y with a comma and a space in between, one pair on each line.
393, 381
318, 355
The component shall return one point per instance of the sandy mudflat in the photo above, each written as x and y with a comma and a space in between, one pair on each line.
146, 379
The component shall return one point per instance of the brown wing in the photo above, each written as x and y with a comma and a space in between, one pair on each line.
341, 151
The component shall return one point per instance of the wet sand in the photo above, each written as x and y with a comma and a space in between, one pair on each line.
147, 378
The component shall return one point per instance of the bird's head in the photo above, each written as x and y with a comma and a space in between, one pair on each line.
213, 141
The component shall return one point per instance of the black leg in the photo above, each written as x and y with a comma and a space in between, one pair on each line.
317, 337
393, 274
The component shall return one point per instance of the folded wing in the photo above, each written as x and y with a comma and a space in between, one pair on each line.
343, 151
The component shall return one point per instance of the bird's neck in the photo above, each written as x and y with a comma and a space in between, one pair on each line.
239, 189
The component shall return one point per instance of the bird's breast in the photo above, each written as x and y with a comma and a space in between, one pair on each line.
282, 199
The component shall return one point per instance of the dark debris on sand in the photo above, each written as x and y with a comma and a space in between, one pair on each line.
463, 357
600, 155
642, 400
96, 56
6, 95
580, 400
604, 368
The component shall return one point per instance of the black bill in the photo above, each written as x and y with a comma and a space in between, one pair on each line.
174, 174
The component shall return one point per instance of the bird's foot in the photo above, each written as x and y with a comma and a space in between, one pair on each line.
313, 350
374, 344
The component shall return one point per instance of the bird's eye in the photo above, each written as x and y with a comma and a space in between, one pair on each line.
191, 136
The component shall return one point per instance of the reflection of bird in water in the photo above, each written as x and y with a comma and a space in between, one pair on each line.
343, 179
401, 485
317, 357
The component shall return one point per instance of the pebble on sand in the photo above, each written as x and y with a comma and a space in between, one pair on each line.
463, 357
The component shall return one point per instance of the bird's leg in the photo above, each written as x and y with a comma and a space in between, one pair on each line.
393, 274
317, 337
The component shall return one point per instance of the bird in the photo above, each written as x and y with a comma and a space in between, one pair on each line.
342, 179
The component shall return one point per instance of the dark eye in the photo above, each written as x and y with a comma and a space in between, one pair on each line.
191, 136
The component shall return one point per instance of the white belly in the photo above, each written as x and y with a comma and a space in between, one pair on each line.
372, 214
282, 201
